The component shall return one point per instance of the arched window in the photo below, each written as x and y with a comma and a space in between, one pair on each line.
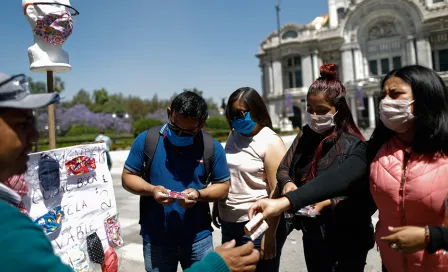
341, 14
289, 35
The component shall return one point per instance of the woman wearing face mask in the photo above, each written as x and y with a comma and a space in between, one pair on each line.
253, 152
328, 138
407, 163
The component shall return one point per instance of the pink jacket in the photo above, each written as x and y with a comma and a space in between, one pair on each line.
408, 192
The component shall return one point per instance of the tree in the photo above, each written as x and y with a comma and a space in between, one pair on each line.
100, 96
136, 108
58, 85
41, 87
82, 97
223, 104
113, 106
37, 87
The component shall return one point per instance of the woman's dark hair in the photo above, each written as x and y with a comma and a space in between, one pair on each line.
253, 102
334, 92
191, 105
430, 111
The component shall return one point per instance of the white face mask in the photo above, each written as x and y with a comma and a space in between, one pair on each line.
396, 114
320, 123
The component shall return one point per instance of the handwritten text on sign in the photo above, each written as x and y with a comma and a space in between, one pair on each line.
87, 198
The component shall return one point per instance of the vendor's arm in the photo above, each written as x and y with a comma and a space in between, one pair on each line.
21, 236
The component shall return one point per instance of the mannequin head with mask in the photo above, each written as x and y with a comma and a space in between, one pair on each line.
51, 22
246, 112
414, 107
327, 109
186, 118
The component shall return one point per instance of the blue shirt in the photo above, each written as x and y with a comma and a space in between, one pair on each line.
177, 169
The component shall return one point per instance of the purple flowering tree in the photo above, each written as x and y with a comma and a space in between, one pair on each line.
80, 115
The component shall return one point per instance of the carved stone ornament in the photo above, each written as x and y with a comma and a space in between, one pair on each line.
382, 30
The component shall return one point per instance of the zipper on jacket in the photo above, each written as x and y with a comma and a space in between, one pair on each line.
407, 158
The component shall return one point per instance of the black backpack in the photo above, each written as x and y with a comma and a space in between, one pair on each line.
151, 142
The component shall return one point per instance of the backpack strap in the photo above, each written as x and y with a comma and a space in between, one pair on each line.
209, 155
151, 142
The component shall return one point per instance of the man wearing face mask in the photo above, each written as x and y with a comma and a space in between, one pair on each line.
174, 230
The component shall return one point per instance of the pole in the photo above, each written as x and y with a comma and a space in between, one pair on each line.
277, 9
51, 121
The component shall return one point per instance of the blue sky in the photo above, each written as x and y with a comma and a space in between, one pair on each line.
143, 47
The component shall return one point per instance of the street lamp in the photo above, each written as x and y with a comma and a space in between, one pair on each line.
115, 127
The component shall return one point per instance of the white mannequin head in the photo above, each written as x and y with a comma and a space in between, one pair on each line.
47, 54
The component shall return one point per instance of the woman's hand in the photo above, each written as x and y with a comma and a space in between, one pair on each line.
268, 246
318, 207
269, 207
407, 239
289, 187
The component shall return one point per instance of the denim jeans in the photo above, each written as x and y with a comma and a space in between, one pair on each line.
235, 231
166, 259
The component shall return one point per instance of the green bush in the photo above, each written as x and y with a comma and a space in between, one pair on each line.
217, 123
144, 124
79, 130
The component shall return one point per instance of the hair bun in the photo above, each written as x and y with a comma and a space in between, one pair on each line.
329, 71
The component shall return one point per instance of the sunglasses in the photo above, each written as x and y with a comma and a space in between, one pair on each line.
72, 10
182, 132
239, 115
18, 81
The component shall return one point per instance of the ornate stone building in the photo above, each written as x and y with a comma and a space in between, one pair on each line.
366, 39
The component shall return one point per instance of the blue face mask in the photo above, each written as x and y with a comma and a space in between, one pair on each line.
244, 126
178, 140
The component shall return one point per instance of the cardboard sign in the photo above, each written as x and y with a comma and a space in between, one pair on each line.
81, 204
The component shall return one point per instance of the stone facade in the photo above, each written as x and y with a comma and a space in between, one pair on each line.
366, 39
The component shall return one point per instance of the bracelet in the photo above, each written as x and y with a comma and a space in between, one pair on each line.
427, 236
199, 195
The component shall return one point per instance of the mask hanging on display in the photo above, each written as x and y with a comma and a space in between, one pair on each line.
54, 28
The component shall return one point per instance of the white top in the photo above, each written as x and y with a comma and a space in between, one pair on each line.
248, 180
106, 139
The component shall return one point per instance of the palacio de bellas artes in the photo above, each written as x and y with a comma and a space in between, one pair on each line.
366, 39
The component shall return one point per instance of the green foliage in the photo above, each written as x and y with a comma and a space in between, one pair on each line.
144, 124
217, 123
136, 108
37, 86
41, 87
79, 130
100, 96
82, 97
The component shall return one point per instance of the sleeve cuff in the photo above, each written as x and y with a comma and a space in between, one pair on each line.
221, 180
211, 262
295, 205
435, 242
131, 169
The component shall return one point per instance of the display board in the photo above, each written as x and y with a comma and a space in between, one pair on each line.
71, 197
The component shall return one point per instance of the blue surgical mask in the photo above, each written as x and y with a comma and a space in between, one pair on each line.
244, 126
179, 140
